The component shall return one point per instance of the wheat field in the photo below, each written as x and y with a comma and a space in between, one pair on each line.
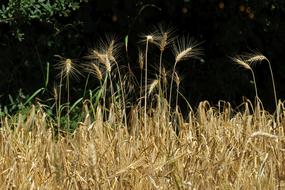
214, 149
105, 141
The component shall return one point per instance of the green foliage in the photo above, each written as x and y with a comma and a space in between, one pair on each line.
18, 104
22, 12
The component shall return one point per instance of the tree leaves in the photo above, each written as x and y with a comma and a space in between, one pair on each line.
17, 13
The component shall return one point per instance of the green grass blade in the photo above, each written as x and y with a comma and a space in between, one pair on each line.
75, 104
126, 42
47, 75
34, 95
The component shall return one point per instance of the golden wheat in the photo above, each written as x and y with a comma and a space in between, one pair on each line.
212, 150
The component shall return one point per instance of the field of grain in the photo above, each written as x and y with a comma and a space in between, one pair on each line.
108, 140
214, 149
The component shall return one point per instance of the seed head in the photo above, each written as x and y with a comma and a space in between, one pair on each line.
94, 69
163, 36
146, 38
107, 52
149, 38
254, 57
152, 86
67, 67
239, 61
186, 48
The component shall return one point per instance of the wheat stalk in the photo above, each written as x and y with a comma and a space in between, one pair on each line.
184, 48
148, 38
256, 57
241, 62
67, 69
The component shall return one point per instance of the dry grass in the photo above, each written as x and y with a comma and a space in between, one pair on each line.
153, 147
215, 149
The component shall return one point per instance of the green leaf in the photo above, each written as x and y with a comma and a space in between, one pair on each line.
47, 75
34, 95
75, 104
126, 42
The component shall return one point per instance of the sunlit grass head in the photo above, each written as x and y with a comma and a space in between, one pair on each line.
106, 52
257, 57
240, 61
152, 86
94, 69
146, 38
185, 47
68, 67
163, 36
254, 57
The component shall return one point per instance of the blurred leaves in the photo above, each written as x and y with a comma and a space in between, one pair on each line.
17, 13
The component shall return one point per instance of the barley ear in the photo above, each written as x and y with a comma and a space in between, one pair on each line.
152, 86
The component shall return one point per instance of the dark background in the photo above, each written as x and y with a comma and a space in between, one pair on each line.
226, 28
